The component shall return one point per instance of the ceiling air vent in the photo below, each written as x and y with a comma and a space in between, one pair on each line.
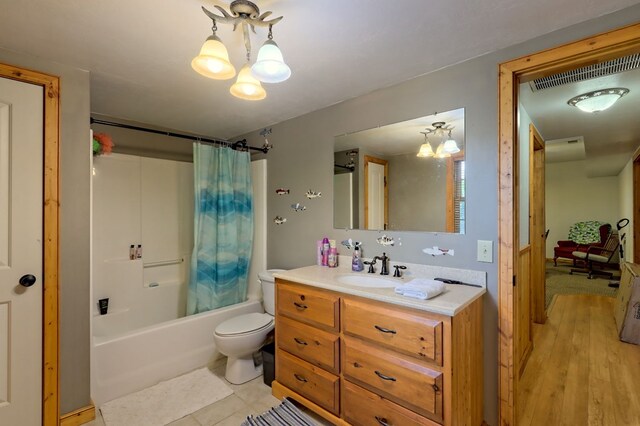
601, 69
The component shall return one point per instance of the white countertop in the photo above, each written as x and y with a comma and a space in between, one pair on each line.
454, 299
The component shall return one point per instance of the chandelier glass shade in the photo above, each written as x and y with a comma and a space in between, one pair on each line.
598, 100
425, 150
270, 66
247, 87
213, 60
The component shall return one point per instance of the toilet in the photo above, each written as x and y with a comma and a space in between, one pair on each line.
240, 337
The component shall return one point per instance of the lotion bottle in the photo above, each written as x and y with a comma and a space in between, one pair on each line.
356, 261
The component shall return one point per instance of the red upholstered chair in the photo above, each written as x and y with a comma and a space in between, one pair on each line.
565, 248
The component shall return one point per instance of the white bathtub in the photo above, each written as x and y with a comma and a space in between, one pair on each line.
131, 361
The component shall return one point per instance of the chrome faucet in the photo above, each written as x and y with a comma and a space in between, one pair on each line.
385, 260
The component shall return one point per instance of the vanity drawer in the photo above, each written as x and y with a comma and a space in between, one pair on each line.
361, 407
396, 377
302, 303
311, 344
314, 383
410, 332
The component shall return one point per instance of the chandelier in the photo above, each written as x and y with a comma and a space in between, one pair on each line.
441, 132
213, 60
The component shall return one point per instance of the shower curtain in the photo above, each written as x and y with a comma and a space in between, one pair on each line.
223, 228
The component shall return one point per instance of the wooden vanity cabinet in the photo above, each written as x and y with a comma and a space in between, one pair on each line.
358, 361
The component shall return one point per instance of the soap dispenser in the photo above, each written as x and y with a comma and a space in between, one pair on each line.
356, 261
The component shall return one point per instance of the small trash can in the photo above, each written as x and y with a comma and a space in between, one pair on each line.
269, 363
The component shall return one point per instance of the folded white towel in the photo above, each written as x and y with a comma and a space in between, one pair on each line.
421, 288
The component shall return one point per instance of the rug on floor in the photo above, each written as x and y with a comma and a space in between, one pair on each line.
286, 413
560, 281
167, 401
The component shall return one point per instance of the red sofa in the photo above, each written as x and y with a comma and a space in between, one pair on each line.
565, 248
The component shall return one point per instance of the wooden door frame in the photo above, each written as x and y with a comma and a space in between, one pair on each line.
51, 130
590, 50
369, 159
635, 220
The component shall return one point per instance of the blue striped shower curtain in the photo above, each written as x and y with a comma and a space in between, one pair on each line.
223, 228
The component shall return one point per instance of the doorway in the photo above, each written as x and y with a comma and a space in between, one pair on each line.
376, 193
598, 48
50, 220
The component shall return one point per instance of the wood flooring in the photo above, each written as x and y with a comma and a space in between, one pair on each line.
579, 373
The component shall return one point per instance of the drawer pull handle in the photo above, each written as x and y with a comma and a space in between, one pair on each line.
382, 421
384, 377
435, 387
384, 330
300, 306
299, 378
300, 341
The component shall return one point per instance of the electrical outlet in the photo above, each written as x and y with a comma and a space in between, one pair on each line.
485, 251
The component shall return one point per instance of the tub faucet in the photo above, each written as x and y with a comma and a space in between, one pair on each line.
385, 260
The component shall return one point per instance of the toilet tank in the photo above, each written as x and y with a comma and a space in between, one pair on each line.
269, 290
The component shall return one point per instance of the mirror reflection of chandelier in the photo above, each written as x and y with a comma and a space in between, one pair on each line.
213, 60
441, 133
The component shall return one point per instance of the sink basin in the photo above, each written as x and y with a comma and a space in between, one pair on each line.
367, 281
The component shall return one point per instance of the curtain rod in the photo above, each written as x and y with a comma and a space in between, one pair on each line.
240, 145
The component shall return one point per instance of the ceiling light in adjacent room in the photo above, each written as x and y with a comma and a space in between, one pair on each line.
598, 100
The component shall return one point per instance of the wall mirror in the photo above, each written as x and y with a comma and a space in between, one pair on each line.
407, 176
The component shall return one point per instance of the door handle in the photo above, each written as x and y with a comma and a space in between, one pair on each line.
27, 280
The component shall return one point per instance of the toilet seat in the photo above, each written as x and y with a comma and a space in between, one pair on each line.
244, 324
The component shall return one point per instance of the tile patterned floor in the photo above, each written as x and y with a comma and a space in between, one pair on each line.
253, 397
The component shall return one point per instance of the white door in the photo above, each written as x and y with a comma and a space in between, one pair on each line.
375, 196
21, 165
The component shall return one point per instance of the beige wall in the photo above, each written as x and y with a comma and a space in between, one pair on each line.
303, 155
573, 197
75, 156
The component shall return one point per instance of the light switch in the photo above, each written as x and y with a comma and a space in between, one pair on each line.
485, 251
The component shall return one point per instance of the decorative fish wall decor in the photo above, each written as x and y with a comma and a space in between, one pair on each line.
351, 244
313, 194
387, 241
279, 220
437, 251
298, 207
282, 191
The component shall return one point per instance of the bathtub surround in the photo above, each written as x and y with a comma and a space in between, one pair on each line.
132, 350
223, 228
167, 401
129, 362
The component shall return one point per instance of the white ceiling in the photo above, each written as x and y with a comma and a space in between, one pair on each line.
404, 137
610, 136
139, 51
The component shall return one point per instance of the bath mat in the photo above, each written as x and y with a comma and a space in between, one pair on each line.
167, 401
284, 414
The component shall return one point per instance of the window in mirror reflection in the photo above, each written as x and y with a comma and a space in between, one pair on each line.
381, 182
